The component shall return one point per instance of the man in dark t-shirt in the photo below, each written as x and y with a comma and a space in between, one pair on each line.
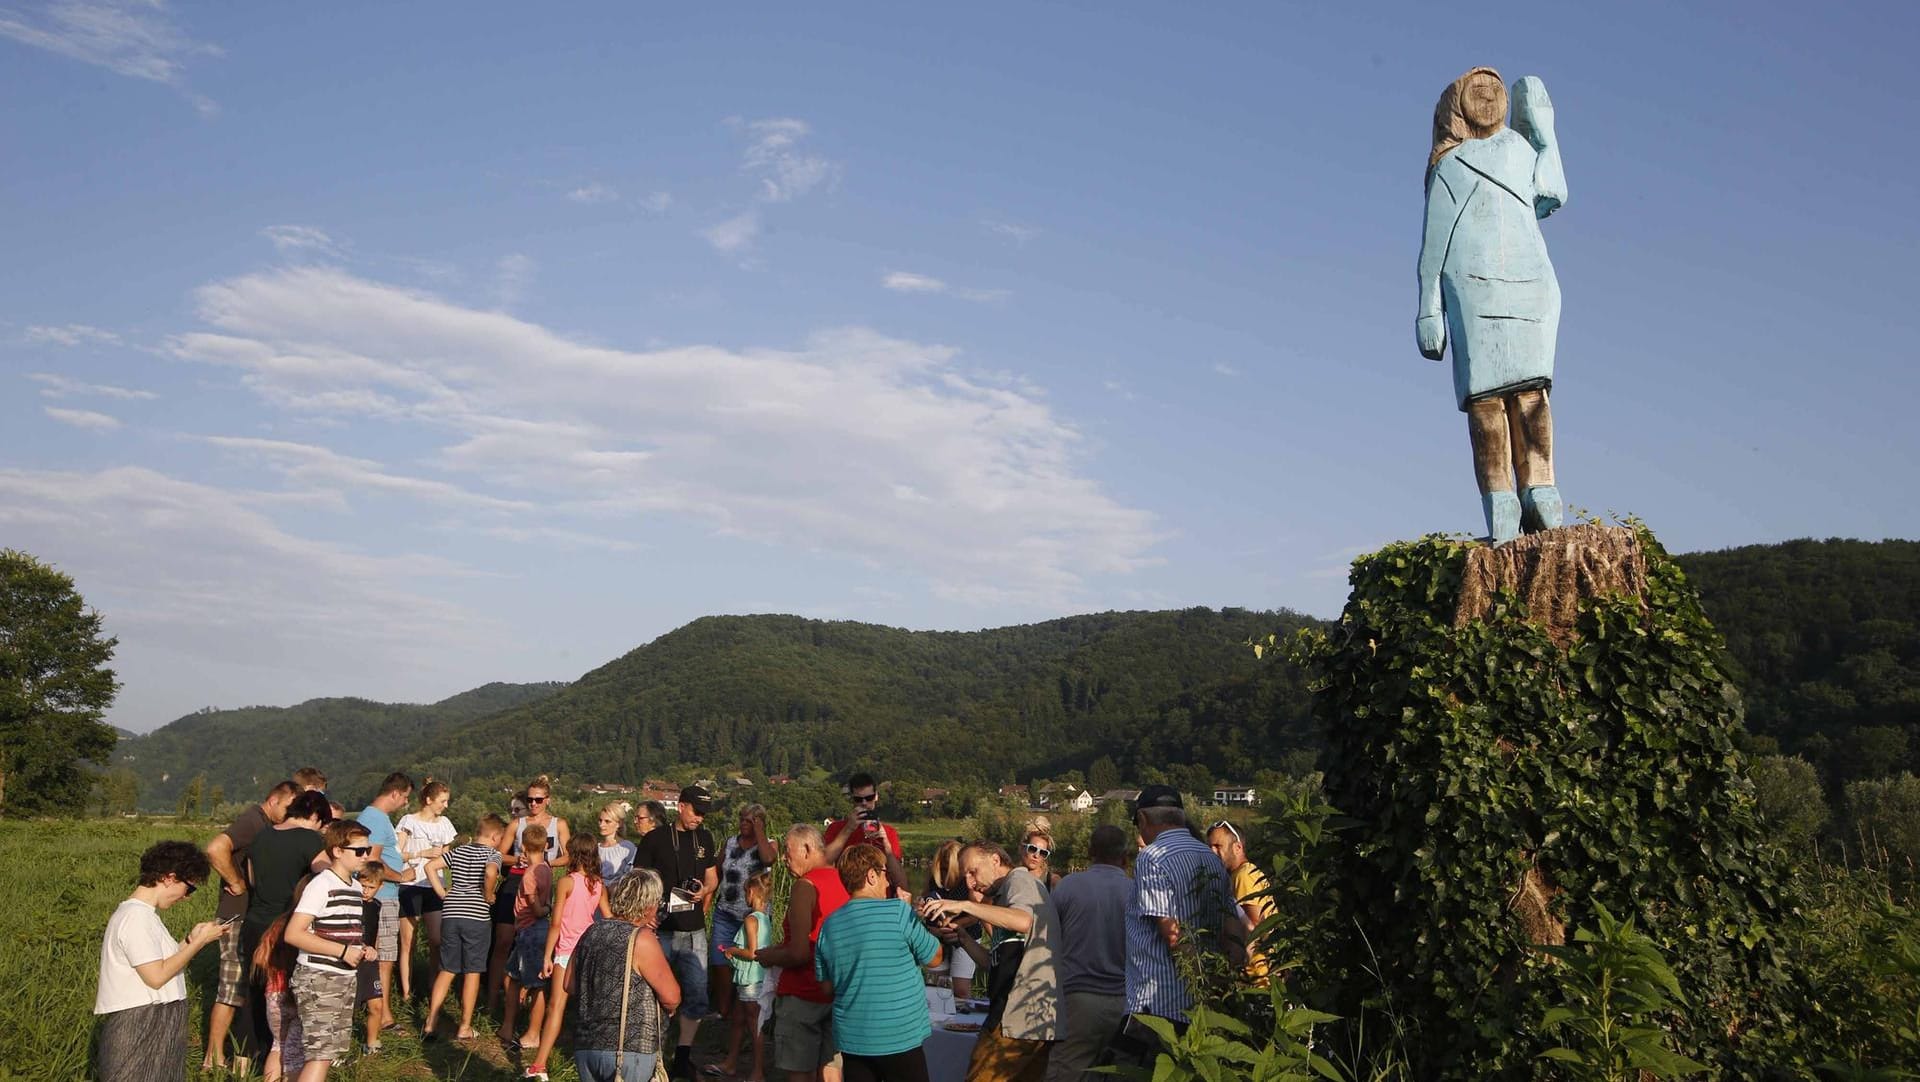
277, 860
683, 856
227, 853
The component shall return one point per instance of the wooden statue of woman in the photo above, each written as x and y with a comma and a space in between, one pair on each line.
1488, 290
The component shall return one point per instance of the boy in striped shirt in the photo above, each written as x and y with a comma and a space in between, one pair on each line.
466, 921
326, 928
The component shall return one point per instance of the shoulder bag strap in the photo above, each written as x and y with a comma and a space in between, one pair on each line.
626, 991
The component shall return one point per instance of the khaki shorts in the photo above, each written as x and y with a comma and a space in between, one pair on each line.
802, 1035
1000, 1058
325, 1003
387, 937
232, 990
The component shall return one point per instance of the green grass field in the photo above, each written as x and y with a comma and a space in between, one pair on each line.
62, 881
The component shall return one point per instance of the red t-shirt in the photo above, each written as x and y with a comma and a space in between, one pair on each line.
840, 826
831, 895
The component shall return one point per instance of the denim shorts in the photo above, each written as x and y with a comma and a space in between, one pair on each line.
464, 944
598, 1066
687, 954
725, 926
529, 954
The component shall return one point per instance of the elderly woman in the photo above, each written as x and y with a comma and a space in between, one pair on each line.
622, 986
1487, 287
142, 998
748, 853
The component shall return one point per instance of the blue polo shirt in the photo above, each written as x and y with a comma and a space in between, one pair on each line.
380, 832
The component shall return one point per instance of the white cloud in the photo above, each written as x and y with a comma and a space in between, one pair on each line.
511, 277
595, 192
1225, 369
198, 572
322, 469
908, 282
774, 155
288, 239
656, 202
1013, 231
56, 386
135, 38
868, 446
72, 334
735, 234
87, 419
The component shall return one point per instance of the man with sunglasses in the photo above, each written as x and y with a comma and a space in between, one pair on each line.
864, 827
1248, 883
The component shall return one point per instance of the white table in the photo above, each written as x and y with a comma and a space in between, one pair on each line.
947, 1051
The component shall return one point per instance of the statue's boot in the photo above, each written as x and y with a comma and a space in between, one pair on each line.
1540, 508
1503, 515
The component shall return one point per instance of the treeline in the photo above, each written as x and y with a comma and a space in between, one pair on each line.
1822, 638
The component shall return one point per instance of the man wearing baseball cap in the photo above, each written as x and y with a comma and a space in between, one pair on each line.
1180, 902
684, 857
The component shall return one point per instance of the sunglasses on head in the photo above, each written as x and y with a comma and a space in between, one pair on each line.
357, 850
1039, 851
1229, 828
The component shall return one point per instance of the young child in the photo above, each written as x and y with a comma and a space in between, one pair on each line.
273, 962
575, 899
369, 995
531, 908
326, 929
466, 923
755, 932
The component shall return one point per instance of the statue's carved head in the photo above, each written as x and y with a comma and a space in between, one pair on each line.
1473, 106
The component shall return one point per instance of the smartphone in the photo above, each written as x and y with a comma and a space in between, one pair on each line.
228, 922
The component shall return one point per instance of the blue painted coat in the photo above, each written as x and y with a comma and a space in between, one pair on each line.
1484, 265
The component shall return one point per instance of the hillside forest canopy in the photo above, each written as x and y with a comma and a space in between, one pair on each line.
1822, 639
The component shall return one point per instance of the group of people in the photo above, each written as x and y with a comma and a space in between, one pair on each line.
643, 939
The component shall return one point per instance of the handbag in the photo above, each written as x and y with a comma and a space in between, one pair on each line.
620, 1039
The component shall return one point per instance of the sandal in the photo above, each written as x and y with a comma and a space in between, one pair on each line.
712, 1070
510, 1045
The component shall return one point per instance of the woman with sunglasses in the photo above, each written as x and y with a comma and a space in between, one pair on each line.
1036, 851
539, 796
142, 998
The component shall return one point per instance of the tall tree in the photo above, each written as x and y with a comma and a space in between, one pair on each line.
54, 687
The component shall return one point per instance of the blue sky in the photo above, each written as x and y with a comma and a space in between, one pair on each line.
390, 349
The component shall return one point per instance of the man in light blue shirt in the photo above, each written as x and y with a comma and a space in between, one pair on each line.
378, 819
1180, 892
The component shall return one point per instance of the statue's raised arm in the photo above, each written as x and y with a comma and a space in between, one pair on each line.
1487, 289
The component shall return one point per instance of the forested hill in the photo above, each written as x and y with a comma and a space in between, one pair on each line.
787, 693
1823, 639
242, 751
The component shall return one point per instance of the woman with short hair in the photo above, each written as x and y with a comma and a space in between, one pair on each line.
142, 996
621, 986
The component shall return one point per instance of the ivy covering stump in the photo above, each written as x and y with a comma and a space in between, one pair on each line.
1517, 735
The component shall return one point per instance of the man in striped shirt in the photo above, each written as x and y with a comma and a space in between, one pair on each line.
1180, 903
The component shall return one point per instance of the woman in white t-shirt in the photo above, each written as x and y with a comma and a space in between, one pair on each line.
142, 999
423, 835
